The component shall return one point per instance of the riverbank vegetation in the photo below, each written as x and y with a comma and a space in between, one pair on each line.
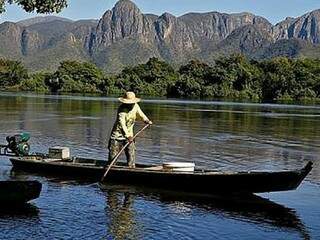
234, 77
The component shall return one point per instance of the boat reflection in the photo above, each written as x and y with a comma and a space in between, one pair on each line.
248, 208
122, 216
26, 210
17, 174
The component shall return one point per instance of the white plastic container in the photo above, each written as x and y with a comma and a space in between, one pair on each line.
179, 166
59, 152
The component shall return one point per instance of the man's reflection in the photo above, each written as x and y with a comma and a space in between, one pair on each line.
121, 215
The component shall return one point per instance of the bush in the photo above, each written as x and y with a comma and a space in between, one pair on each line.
73, 76
279, 79
36, 82
11, 73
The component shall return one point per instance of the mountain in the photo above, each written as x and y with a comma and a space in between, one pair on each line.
293, 48
44, 45
306, 27
41, 19
246, 40
125, 36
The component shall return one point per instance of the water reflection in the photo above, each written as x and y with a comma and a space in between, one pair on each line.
127, 209
250, 208
121, 216
216, 135
19, 212
224, 136
17, 174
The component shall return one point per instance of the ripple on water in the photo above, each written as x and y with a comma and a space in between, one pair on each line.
218, 135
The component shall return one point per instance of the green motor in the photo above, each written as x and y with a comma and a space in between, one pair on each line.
24, 137
18, 144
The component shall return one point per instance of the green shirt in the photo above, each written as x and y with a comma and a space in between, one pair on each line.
123, 127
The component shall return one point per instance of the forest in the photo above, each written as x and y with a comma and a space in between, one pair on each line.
234, 77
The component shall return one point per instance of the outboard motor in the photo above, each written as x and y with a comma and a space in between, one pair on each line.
18, 144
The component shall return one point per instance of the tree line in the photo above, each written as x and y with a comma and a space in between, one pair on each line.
234, 77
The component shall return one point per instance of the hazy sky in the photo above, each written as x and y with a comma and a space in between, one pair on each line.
273, 10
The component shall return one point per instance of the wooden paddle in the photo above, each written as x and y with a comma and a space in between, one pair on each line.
124, 147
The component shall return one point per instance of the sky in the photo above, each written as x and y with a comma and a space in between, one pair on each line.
273, 10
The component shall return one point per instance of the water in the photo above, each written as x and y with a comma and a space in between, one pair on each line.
219, 135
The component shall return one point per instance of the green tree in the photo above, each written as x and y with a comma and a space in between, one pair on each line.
36, 82
197, 70
188, 87
238, 76
39, 6
154, 78
230, 77
279, 81
72, 76
12, 73
307, 73
194, 80
108, 85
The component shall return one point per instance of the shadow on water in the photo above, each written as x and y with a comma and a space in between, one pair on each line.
248, 208
26, 210
121, 212
17, 174
16, 211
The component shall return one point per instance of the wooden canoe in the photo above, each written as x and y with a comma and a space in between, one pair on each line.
200, 181
18, 192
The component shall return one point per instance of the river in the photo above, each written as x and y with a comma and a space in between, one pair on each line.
220, 135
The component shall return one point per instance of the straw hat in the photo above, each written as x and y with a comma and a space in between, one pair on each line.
129, 98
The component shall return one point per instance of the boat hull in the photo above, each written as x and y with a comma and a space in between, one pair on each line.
19, 192
206, 181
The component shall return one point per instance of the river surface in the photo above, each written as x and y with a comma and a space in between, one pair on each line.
220, 135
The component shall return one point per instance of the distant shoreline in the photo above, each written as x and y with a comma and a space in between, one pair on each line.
151, 99
233, 78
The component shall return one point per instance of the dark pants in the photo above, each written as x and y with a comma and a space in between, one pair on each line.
116, 145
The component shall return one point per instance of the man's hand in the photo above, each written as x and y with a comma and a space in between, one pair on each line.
148, 122
130, 139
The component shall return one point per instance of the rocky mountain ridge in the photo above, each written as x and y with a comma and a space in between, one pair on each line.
125, 36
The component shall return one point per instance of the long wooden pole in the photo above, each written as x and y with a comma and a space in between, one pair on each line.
124, 147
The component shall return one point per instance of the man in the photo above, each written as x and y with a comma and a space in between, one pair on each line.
122, 131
